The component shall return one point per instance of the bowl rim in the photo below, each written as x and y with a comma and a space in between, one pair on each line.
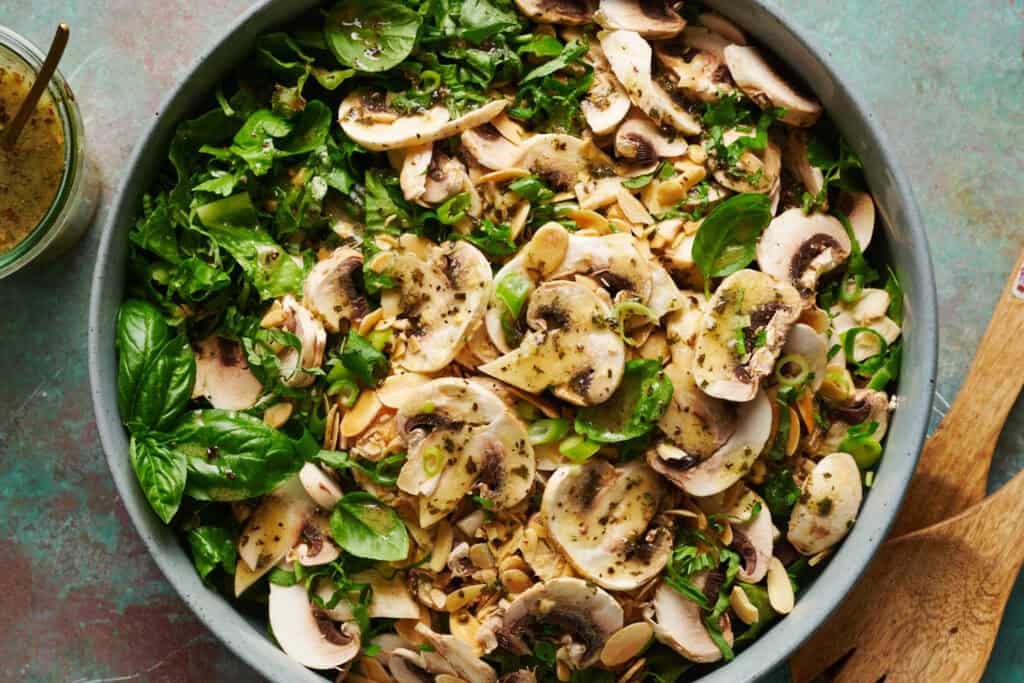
761, 657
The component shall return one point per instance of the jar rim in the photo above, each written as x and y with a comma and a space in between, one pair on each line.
45, 231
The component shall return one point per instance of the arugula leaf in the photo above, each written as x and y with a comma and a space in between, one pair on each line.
371, 35
309, 130
726, 241
269, 267
633, 409
233, 456
155, 233
386, 212
361, 359
366, 527
161, 473
254, 142
212, 128
572, 53
493, 239
542, 45
212, 546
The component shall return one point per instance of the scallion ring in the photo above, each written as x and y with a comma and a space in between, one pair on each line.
548, 431
864, 449
429, 82
785, 378
433, 458
346, 390
851, 288
578, 449
850, 338
628, 309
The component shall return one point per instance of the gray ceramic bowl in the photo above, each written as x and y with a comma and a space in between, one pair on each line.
908, 253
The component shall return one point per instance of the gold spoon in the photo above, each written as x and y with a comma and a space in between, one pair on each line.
56, 51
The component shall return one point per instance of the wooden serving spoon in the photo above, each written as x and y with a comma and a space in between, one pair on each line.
929, 605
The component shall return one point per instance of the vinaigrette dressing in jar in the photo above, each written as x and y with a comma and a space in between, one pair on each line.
48, 187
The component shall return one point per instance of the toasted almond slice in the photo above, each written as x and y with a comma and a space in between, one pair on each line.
369, 321
274, 317
626, 643
515, 581
395, 387
743, 607
442, 546
631, 672
815, 560
563, 671
362, 414
780, 590
502, 176
794, 432
481, 556
374, 670
466, 595
277, 415
726, 535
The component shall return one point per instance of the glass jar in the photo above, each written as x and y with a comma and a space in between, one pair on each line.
75, 202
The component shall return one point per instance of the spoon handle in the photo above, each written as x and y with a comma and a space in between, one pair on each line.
56, 51
954, 465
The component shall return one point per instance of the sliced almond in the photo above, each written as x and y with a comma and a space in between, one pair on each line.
780, 589
274, 317
794, 432
631, 673
374, 670
395, 387
369, 321
626, 643
515, 581
502, 176
465, 627
361, 415
277, 415
743, 607
632, 209
815, 560
563, 671
462, 597
481, 556
726, 534
442, 546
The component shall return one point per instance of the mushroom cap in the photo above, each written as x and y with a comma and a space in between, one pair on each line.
330, 291
679, 624
313, 337
446, 177
719, 25
755, 171
701, 73
638, 139
805, 341
799, 248
761, 84
572, 346
471, 438
603, 519
223, 376
859, 208
747, 303
323, 490
829, 500
866, 405
413, 176
729, 463
606, 103
563, 160
696, 423
444, 292
579, 609
490, 148
275, 526
368, 120
616, 261
630, 58
568, 12
459, 655
753, 538
306, 633
650, 18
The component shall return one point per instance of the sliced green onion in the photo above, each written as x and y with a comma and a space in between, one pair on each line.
880, 380
851, 288
429, 81
346, 390
339, 372
433, 458
512, 290
865, 450
836, 377
628, 309
548, 431
428, 408
850, 337
381, 338
578, 449
787, 380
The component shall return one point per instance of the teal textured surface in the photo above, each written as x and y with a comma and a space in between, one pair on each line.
84, 602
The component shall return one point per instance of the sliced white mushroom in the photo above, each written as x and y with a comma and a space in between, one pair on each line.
812, 347
275, 526
223, 376
639, 140
870, 311
316, 546
755, 170
446, 177
603, 519
368, 119
572, 346
606, 103
865, 406
616, 261
800, 248
459, 655
860, 210
313, 338
679, 261
460, 436
568, 12
444, 292
829, 501
650, 18
729, 463
390, 597
584, 613
745, 325
697, 64
330, 292
794, 156
413, 178
752, 531
305, 633
564, 160
323, 490
490, 148
761, 84
630, 58
679, 624
723, 27
665, 295
697, 424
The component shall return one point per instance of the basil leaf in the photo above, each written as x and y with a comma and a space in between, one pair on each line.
727, 239
270, 268
371, 35
365, 527
161, 473
141, 332
309, 130
166, 386
482, 19
233, 456
212, 546
254, 143
632, 410
363, 360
